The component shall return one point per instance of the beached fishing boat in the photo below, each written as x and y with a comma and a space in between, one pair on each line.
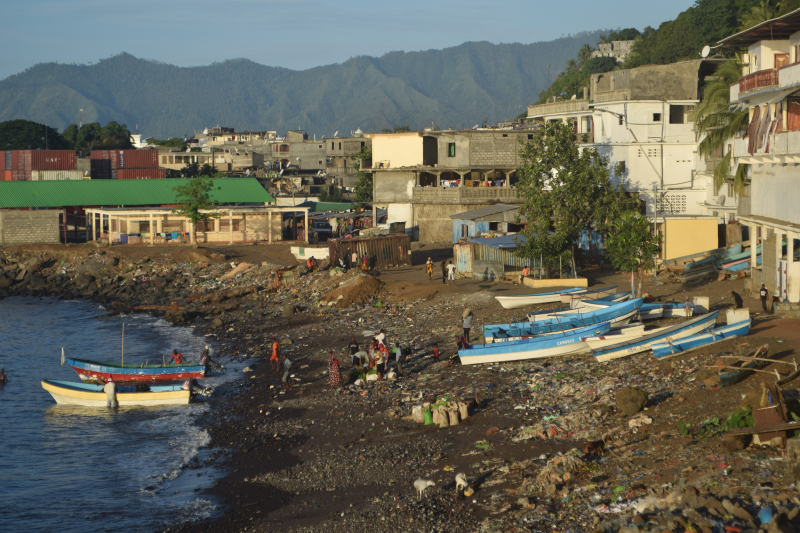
651, 311
617, 314
595, 303
91, 395
521, 300
96, 371
712, 335
533, 348
633, 346
688, 262
630, 331
741, 368
588, 295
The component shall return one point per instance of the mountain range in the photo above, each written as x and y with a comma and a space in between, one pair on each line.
450, 88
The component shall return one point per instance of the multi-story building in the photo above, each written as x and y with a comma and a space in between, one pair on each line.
770, 90
296, 151
423, 178
641, 120
339, 153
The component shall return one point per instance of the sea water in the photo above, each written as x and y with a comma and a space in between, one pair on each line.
70, 468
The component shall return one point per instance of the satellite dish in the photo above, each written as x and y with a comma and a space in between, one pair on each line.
706, 51
721, 199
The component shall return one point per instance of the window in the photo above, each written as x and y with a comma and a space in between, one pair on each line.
319, 162
730, 190
656, 117
620, 120
362, 144
451, 149
677, 114
505, 135
225, 225
340, 146
163, 160
530, 137
621, 167
333, 145
320, 147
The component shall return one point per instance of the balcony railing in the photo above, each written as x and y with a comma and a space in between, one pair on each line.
465, 195
758, 80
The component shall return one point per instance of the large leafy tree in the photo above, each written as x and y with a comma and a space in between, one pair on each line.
93, 136
194, 169
565, 190
762, 12
195, 201
26, 135
631, 245
718, 121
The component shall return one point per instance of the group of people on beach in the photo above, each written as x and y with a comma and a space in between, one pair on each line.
448, 271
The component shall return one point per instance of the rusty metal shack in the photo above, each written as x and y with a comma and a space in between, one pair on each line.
383, 252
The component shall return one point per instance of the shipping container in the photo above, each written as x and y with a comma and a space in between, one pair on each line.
20, 175
56, 175
140, 173
21, 160
100, 169
7, 162
53, 160
5, 175
127, 158
3, 160
383, 252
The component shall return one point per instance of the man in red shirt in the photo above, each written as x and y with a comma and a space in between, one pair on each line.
177, 357
275, 360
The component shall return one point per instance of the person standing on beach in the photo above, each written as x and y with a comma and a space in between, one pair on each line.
275, 360
334, 371
429, 269
451, 272
398, 358
764, 293
354, 260
687, 307
353, 346
737, 300
287, 365
467, 323
444, 272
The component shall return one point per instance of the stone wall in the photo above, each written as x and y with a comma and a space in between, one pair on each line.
29, 227
435, 224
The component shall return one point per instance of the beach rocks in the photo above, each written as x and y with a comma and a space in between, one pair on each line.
37, 282
631, 400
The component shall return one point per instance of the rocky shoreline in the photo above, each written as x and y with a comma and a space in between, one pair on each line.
319, 460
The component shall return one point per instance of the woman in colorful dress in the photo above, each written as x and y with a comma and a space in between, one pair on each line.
429, 268
334, 371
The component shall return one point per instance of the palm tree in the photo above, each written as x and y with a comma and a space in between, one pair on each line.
571, 65
602, 39
584, 54
715, 118
758, 14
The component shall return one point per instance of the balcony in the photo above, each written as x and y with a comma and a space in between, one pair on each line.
558, 108
781, 144
465, 195
758, 80
786, 77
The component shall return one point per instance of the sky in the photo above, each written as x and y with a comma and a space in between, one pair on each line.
296, 34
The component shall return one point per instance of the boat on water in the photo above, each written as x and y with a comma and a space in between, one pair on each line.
711, 336
96, 371
522, 300
595, 293
92, 395
616, 314
628, 346
532, 348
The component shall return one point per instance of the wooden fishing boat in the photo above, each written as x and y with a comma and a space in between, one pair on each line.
91, 395
670, 333
533, 348
688, 262
617, 314
596, 293
748, 366
96, 371
734, 372
521, 300
595, 303
711, 336
631, 331
651, 311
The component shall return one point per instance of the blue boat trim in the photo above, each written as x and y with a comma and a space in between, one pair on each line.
737, 329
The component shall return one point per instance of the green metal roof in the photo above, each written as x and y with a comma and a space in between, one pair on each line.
327, 206
121, 192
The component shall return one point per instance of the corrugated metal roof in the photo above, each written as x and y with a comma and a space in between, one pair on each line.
121, 192
327, 206
484, 211
504, 242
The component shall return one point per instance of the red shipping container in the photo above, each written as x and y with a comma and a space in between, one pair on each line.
127, 158
21, 160
3, 160
53, 160
5, 175
141, 173
20, 175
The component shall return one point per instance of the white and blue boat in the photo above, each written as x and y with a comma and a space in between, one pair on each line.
521, 300
533, 348
617, 314
710, 336
629, 346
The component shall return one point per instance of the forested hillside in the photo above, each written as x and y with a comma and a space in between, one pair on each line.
454, 87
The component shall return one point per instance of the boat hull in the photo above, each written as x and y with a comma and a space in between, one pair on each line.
65, 395
95, 371
534, 348
678, 331
686, 344
626, 332
598, 293
523, 300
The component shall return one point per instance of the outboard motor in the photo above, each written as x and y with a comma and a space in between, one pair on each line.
196, 388
210, 363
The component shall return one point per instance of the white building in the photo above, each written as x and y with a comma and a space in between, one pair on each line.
770, 90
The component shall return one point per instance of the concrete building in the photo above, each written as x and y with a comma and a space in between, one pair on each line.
30, 227
296, 151
619, 50
770, 90
423, 178
338, 157
497, 218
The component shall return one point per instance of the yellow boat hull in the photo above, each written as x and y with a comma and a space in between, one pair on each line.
65, 396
